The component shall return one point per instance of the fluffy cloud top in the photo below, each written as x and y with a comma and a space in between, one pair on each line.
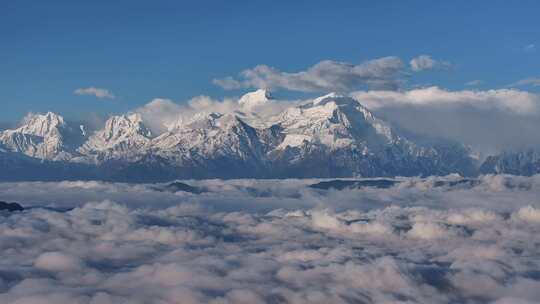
57, 262
473, 244
163, 114
97, 92
325, 76
160, 113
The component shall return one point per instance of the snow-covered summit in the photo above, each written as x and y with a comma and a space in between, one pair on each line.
334, 121
123, 126
41, 124
123, 135
328, 97
43, 136
256, 98
209, 136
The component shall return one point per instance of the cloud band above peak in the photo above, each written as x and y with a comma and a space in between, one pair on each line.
325, 76
96, 92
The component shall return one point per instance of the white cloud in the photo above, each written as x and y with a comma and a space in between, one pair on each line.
527, 81
162, 114
207, 104
530, 48
516, 101
57, 262
474, 82
529, 213
328, 75
490, 120
97, 92
430, 231
425, 62
292, 244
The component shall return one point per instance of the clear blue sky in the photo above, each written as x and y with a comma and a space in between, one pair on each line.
140, 50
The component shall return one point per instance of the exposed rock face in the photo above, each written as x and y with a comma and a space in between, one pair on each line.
517, 163
10, 207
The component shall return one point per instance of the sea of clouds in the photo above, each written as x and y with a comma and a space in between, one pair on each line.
272, 241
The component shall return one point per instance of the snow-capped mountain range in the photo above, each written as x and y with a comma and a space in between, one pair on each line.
329, 136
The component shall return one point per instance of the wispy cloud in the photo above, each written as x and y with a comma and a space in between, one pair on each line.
533, 81
97, 92
387, 73
474, 82
327, 75
530, 48
425, 62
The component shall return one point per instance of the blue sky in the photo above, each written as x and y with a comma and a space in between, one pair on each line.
140, 50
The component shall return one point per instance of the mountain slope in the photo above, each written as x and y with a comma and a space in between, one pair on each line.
123, 137
44, 136
335, 135
222, 145
330, 136
525, 162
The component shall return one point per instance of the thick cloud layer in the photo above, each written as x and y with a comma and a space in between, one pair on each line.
489, 121
422, 241
516, 101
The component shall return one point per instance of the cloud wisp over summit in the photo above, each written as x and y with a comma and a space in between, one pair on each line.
425, 62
